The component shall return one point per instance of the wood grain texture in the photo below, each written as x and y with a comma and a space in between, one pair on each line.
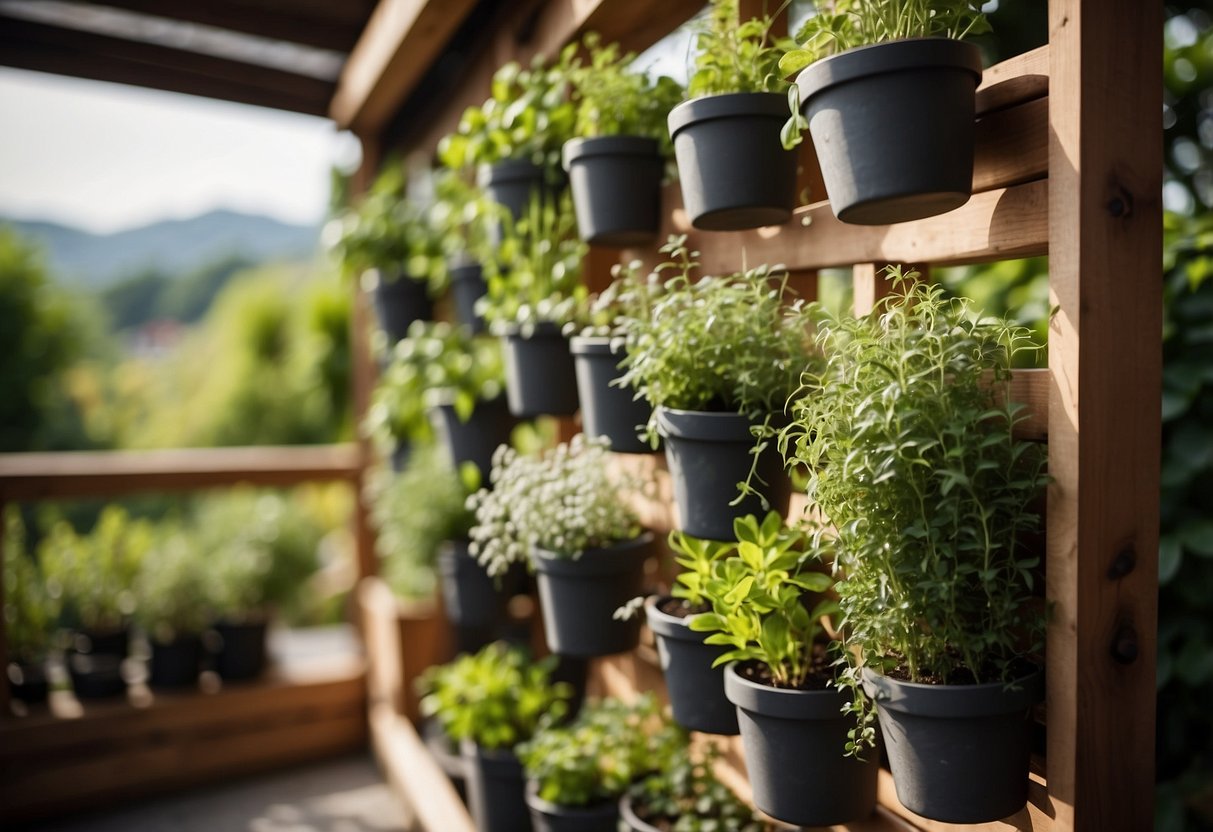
415, 776
1014, 81
1104, 418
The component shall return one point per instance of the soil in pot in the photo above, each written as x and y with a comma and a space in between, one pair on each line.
539, 373
27, 682
239, 649
616, 184
467, 287
496, 790
875, 175
175, 664
608, 410
708, 455
794, 742
734, 171
475, 440
958, 753
579, 597
696, 688
399, 302
553, 817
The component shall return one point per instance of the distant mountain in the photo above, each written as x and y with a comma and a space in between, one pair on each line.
172, 247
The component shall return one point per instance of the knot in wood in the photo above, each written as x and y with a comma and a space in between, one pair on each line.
1124, 646
1121, 204
1124, 563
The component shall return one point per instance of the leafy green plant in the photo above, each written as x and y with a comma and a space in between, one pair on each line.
598, 755
736, 56
756, 594
463, 219
170, 601
840, 25
30, 611
686, 796
699, 560
564, 500
529, 115
414, 512
536, 276
495, 698
92, 574
435, 363
727, 344
909, 440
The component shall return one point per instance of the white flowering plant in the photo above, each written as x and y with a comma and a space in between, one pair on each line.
565, 500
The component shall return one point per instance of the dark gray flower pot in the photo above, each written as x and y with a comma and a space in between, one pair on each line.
616, 184
96, 675
539, 373
734, 171
512, 184
398, 302
608, 410
469, 595
175, 664
875, 175
708, 455
496, 789
110, 642
958, 753
696, 688
475, 440
240, 652
794, 744
553, 817
579, 597
27, 682
467, 287
628, 815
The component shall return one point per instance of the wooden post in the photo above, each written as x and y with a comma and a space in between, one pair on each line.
1105, 350
4, 691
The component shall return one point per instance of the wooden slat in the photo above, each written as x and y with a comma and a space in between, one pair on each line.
415, 776
1104, 419
1034, 817
1012, 146
40, 476
1014, 81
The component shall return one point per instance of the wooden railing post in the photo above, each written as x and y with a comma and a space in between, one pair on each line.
1105, 356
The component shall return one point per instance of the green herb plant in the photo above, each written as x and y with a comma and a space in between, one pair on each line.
170, 590
463, 219
737, 56
756, 592
598, 756
909, 437
495, 698
686, 796
30, 610
840, 25
564, 500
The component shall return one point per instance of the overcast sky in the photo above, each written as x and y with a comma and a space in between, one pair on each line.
105, 157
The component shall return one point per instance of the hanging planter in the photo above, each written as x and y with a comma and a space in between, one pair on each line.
176, 663
734, 171
553, 817
616, 184
512, 184
496, 789
467, 287
239, 649
696, 688
794, 742
540, 376
27, 682
400, 301
877, 176
958, 753
94, 662
708, 455
470, 597
608, 410
489, 425
579, 597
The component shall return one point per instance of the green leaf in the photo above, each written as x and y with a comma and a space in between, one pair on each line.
1197, 535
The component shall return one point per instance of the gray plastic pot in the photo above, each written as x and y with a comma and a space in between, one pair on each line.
553, 817
399, 302
627, 814
27, 681
958, 753
489, 425
795, 743
607, 410
467, 287
539, 373
734, 171
240, 652
175, 664
579, 597
892, 124
496, 789
696, 688
512, 184
469, 596
616, 184
708, 454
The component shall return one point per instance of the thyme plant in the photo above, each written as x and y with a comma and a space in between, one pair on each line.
686, 796
735, 55
564, 500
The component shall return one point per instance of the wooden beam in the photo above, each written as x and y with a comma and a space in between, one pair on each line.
1105, 353
400, 41
415, 776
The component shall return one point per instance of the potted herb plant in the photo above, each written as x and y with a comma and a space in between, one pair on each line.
717, 359
868, 64
685, 796
577, 773
535, 289
463, 218
913, 458
793, 715
30, 612
565, 511
617, 162
610, 409
489, 702
442, 380
93, 574
172, 610
735, 174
